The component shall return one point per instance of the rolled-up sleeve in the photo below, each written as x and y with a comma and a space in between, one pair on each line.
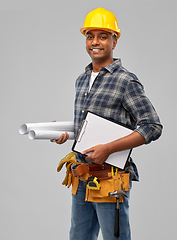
142, 111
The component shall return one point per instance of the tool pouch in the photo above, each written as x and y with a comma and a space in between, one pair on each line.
108, 181
115, 183
75, 183
79, 170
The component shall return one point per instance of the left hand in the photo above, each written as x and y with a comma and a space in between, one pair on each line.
99, 154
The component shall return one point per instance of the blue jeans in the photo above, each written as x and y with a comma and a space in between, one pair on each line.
88, 218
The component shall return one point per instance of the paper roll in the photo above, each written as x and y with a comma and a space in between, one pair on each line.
67, 126
48, 135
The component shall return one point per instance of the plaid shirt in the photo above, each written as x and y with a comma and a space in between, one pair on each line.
118, 95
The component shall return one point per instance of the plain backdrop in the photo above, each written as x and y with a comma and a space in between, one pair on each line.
42, 52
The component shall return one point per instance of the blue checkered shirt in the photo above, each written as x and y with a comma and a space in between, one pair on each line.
118, 95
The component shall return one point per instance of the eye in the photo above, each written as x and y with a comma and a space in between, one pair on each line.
89, 37
103, 37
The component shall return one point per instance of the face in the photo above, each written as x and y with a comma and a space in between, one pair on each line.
100, 45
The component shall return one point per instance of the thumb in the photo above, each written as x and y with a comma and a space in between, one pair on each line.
87, 151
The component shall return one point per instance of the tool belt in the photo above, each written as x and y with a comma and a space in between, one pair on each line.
102, 172
100, 179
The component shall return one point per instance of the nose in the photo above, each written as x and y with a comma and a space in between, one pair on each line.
95, 41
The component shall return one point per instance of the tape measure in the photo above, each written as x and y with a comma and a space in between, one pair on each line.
114, 171
93, 183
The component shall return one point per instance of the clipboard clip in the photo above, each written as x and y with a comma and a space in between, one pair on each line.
82, 130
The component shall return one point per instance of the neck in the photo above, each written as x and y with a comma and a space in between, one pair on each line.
98, 65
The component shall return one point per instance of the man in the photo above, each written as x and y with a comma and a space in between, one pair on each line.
109, 90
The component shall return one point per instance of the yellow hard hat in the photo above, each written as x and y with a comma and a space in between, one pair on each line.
101, 18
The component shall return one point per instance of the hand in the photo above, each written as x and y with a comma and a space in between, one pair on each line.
99, 153
63, 138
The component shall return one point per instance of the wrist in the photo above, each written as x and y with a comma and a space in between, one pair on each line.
109, 148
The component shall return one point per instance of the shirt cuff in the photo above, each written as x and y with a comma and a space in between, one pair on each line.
150, 132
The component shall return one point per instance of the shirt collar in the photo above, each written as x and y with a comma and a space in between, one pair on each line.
113, 66
110, 68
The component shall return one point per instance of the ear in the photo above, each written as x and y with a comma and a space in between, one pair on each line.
114, 43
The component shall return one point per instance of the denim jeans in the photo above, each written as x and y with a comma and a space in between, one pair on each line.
87, 218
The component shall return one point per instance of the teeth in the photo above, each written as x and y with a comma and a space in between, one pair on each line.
96, 50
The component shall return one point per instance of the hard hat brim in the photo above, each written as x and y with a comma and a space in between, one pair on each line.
84, 30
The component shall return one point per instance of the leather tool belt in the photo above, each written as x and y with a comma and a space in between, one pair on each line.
102, 172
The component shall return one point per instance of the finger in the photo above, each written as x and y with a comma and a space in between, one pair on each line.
87, 151
60, 140
66, 136
89, 158
63, 138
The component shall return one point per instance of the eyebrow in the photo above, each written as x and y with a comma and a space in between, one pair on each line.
101, 33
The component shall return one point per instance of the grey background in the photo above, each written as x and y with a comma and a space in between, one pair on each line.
41, 54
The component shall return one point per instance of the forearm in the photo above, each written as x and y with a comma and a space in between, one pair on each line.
101, 152
131, 141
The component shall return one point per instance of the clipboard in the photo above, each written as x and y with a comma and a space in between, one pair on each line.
96, 130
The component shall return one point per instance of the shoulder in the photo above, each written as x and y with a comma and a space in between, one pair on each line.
126, 77
125, 74
81, 78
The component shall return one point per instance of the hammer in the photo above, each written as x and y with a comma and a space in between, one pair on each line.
117, 194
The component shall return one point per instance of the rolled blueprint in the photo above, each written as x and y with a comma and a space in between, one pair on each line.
67, 126
48, 135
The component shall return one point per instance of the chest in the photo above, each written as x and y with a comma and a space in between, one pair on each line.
105, 92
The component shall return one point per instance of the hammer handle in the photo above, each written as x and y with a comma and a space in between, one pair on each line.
116, 226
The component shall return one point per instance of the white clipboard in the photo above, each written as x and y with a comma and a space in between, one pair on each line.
99, 130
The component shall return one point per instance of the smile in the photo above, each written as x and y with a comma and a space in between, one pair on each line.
96, 49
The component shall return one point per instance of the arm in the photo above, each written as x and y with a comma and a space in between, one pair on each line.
141, 110
100, 153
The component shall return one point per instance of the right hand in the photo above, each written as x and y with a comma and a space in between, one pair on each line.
63, 138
